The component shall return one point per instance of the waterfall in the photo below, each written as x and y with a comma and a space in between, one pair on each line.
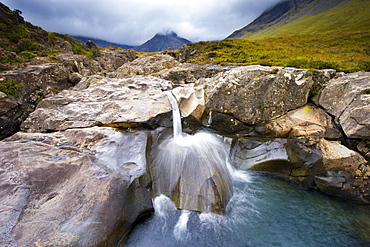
191, 169
177, 129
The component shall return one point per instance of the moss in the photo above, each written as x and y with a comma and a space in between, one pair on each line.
274, 71
11, 87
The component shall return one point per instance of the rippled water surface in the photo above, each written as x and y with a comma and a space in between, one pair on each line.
264, 211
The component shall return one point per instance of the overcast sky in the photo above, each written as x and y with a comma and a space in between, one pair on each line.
133, 22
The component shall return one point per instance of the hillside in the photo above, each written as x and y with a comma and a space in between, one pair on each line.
309, 17
20, 41
100, 42
313, 34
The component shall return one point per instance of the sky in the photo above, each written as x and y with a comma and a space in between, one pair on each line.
132, 22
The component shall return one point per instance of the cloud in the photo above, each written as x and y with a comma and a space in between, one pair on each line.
135, 21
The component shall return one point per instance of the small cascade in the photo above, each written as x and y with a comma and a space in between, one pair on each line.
191, 169
177, 128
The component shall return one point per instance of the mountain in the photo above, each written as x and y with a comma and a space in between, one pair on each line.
159, 42
100, 42
296, 17
162, 42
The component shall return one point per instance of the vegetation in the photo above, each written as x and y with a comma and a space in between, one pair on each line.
11, 87
347, 52
345, 18
21, 41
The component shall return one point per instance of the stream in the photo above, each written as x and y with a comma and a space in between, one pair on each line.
264, 211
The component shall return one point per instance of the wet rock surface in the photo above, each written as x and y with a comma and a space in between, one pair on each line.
74, 188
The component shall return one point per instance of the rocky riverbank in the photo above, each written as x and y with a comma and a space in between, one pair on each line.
76, 174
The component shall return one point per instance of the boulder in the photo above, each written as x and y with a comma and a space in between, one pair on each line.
66, 47
191, 100
308, 120
33, 83
329, 167
254, 94
81, 187
348, 100
112, 59
129, 102
145, 65
188, 73
261, 154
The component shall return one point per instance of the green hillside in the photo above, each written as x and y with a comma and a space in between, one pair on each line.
343, 52
347, 17
338, 38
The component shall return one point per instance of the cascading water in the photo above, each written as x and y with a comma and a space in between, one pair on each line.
191, 169
263, 211
177, 128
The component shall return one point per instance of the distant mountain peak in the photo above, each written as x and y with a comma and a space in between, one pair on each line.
168, 33
162, 41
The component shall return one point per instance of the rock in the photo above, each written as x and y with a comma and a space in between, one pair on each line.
330, 167
191, 100
91, 45
78, 63
66, 47
73, 188
251, 94
261, 155
112, 59
34, 82
347, 100
308, 120
188, 73
364, 148
185, 53
124, 103
145, 65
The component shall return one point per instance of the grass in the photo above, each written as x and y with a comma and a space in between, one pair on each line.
20, 42
11, 87
344, 18
347, 52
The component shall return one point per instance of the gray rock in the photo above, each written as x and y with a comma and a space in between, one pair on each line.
73, 188
145, 65
111, 102
252, 94
261, 154
347, 100
308, 120
330, 167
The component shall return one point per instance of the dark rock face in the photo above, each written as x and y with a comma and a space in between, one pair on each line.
75, 188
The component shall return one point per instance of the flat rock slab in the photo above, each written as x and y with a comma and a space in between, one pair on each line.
116, 102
